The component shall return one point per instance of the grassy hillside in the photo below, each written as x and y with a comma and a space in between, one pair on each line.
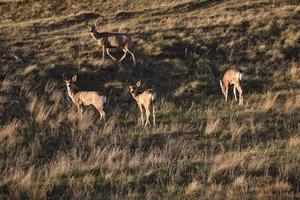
202, 146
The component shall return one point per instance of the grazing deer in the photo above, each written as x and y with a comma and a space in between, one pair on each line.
85, 98
109, 40
232, 77
145, 100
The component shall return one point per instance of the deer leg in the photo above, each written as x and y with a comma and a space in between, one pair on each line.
238, 87
147, 116
133, 57
80, 110
153, 114
234, 92
142, 117
102, 115
125, 52
222, 88
226, 92
101, 112
107, 51
103, 53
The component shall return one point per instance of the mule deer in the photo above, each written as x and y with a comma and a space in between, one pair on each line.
85, 98
232, 77
110, 40
145, 100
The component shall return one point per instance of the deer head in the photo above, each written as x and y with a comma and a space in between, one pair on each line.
70, 82
134, 87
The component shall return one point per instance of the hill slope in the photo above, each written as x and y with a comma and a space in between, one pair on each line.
201, 147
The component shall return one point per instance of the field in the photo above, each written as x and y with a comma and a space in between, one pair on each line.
201, 148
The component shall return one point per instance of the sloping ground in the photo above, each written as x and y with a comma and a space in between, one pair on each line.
201, 147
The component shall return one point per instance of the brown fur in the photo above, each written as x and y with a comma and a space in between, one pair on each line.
109, 40
232, 77
145, 100
85, 98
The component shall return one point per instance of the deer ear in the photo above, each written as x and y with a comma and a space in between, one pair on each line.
74, 78
64, 76
138, 84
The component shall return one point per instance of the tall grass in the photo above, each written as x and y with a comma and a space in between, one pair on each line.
202, 146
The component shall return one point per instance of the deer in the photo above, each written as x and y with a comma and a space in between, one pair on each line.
85, 98
232, 77
110, 40
145, 100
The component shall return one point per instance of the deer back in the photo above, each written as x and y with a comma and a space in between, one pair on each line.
90, 98
119, 40
232, 76
146, 97
113, 40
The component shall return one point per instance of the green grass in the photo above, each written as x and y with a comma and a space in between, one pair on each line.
202, 146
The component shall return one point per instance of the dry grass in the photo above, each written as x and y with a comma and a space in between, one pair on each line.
212, 123
193, 187
8, 131
294, 142
269, 102
202, 146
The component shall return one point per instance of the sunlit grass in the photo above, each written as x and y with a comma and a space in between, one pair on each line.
201, 147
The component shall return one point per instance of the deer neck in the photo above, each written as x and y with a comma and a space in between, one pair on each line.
135, 95
95, 35
71, 93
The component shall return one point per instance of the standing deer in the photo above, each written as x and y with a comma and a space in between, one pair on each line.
85, 98
232, 77
110, 40
145, 100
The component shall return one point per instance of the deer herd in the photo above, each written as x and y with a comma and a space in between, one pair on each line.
145, 99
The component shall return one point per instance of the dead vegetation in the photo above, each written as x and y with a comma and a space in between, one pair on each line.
201, 146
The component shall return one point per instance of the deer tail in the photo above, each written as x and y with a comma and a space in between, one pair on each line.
152, 96
241, 76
